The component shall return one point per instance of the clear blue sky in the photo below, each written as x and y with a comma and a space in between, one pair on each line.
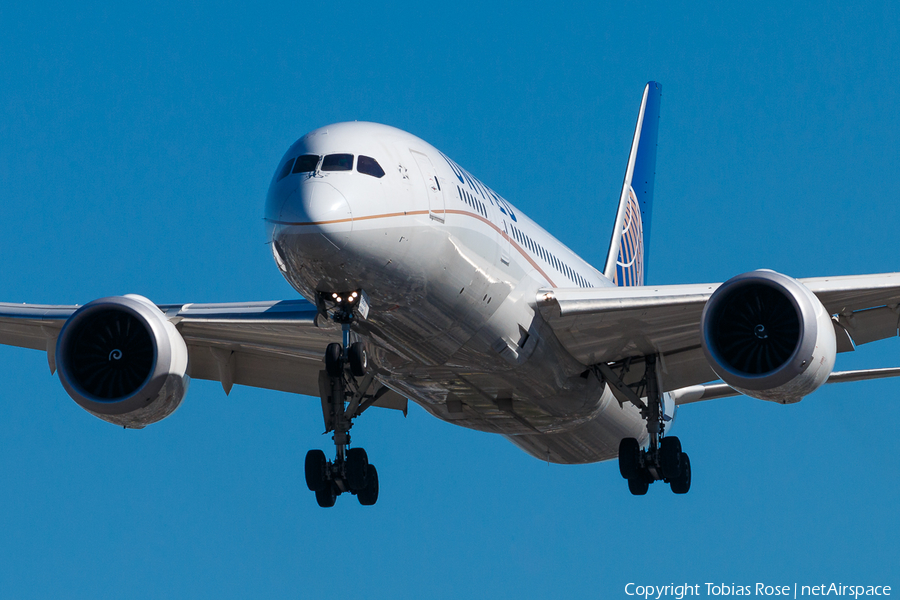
136, 145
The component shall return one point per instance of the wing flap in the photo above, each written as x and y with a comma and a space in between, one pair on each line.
268, 370
610, 324
271, 345
870, 325
851, 293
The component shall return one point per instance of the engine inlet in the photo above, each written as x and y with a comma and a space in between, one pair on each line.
755, 329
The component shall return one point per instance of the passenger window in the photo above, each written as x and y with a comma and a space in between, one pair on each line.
306, 164
286, 169
338, 162
369, 166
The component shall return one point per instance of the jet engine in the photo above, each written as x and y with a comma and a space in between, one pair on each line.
121, 360
769, 337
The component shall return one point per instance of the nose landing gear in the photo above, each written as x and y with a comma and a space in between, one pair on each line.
343, 386
663, 460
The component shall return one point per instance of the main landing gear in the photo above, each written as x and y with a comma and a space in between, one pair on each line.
663, 459
343, 387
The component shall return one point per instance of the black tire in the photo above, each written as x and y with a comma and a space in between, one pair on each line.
629, 458
315, 470
358, 358
369, 495
357, 469
326, 496
638, 485
682, 484
670, 458
334, 360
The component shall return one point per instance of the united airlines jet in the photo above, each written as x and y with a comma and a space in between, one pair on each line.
421, 283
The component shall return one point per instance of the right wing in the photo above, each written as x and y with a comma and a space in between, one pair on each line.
271, 345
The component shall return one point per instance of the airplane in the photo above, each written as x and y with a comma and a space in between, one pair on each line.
421, 283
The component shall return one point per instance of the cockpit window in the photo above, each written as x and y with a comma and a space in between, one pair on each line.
306, 163
369, 166
338, 162
286, 169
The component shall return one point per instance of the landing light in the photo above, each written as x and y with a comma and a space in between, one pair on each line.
355, 297
345, 304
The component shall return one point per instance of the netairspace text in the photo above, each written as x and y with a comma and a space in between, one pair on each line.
681, 591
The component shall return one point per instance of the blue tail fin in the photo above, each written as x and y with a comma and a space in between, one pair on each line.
626, 262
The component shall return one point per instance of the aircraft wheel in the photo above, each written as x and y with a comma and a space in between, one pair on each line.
326, 496
670, 457
638, 485
334, 359
357, 469
629, 458
369, 495
682, 483
358, 357
315, 470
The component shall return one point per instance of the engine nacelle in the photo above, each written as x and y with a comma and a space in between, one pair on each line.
767, 336
121, 360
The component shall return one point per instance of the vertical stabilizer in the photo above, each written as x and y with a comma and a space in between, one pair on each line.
626, 261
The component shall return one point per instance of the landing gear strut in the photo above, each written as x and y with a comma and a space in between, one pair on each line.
343, 386
663, 460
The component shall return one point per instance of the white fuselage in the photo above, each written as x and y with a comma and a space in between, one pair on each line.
452, 271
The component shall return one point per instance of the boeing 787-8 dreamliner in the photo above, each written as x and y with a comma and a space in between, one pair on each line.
421, 283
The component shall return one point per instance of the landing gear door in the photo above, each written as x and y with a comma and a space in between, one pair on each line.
432, 186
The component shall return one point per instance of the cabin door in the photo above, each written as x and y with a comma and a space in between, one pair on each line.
432, 186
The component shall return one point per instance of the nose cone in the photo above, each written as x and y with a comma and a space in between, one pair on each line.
318, 204
317, 216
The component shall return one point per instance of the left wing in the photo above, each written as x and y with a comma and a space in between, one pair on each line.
271, 345
699, 393
604, 325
